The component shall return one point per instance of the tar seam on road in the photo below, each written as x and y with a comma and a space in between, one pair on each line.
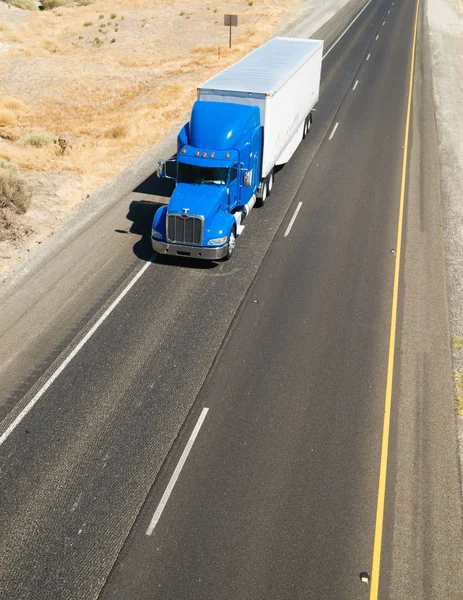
390, 366
355, 85
67, 360
346, 30
334, 131
176, 473
291, 223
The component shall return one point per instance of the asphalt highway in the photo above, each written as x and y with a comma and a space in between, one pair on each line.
287, 347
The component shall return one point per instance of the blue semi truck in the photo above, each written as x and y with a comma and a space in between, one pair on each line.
247, 120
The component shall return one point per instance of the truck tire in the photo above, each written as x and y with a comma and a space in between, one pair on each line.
260, 201
231, 243
269, 182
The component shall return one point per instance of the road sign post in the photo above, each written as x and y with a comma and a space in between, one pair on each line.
230, 21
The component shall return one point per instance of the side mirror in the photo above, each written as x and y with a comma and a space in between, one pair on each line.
247, 178
160, 171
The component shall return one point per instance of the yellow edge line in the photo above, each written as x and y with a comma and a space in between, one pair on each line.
390, 367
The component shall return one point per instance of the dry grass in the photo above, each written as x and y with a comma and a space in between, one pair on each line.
7, 117
14, 104
116, 132
458, 377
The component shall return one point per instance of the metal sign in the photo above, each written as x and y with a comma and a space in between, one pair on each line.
230, 21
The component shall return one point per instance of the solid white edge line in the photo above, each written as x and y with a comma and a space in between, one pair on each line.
291, 223
355, 85
176, 473
368, 57
65, 363
334, 131
346, 30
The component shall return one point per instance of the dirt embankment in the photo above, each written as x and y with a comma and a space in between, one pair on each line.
88, 86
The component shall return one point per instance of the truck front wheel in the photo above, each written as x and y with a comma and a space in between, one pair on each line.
231, 243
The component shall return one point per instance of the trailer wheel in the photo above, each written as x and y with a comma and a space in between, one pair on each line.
270, 182
231, 243
260, 201
306, 128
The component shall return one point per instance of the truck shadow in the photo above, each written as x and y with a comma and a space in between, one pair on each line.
154, 186
141, 213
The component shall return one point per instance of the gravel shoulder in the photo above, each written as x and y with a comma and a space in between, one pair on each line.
446, 40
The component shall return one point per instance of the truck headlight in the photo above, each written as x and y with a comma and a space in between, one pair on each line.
217, 241
156, 234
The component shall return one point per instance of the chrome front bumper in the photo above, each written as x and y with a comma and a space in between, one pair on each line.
189, 251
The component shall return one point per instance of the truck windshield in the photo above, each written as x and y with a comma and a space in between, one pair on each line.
196, 174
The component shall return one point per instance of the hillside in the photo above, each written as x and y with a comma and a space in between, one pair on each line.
87, 86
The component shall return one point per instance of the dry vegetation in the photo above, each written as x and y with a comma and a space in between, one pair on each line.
87, 86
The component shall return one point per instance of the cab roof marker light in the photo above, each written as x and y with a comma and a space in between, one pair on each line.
211, 155
184, 150
227, 155
197, 153
204, 154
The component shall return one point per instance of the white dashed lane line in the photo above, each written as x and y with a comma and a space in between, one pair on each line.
291, 223
334, 131
355, 85
176, 473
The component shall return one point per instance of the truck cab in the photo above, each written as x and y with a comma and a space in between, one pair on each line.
218, 172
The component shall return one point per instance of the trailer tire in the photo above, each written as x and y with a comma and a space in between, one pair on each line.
260, 200
269, 182
231, 243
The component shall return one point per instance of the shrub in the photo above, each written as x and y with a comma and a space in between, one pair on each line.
101, 16
24, 4
38, 139
50, 4
88, 24
11, 167
14, 192
113, 16
84, 2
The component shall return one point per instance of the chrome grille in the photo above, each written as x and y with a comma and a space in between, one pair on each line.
183, 229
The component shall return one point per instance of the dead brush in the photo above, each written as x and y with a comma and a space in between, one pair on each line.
116, 132
15, 194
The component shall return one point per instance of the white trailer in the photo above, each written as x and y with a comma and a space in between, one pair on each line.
282, 77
